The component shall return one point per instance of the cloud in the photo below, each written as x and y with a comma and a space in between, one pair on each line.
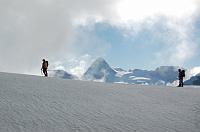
179, 47
32, 30
76, 65
175, 18
139, 10
83, 64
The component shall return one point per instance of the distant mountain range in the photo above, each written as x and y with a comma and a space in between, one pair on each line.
101, 71
195, 80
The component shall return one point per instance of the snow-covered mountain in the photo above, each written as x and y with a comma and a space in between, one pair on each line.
137, 76
192, 72
161, 76
195, 80
101, 71
61, 74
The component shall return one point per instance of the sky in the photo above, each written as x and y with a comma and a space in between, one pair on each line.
129, 34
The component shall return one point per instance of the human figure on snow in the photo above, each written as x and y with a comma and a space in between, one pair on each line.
45, 67
181, 75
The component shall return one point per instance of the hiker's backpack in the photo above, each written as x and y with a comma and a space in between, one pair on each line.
45, 64
48, 64
183, 73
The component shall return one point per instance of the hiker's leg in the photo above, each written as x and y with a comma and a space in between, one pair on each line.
179, 85
181, 82
45, 72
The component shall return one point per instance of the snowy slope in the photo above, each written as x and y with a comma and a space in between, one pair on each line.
39, 104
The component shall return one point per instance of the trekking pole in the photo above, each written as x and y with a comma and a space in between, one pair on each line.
41, 72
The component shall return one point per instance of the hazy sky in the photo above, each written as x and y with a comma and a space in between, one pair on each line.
71, 34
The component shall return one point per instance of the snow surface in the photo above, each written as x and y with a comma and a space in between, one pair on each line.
141, 78
40, 104
120, 72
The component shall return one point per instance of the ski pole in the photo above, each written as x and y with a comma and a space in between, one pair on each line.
41, 72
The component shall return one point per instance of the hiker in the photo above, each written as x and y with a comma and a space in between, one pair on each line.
181, 75
45, 67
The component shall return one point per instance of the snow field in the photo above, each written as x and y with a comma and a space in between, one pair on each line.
39, 104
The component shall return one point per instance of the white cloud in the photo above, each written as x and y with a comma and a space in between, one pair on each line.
32, 30
178, 54
178, 16
183, 47
76, 65
81, 64
138, 10
79, 69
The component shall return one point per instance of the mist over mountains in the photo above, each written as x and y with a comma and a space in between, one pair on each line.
61, 74
101, 71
